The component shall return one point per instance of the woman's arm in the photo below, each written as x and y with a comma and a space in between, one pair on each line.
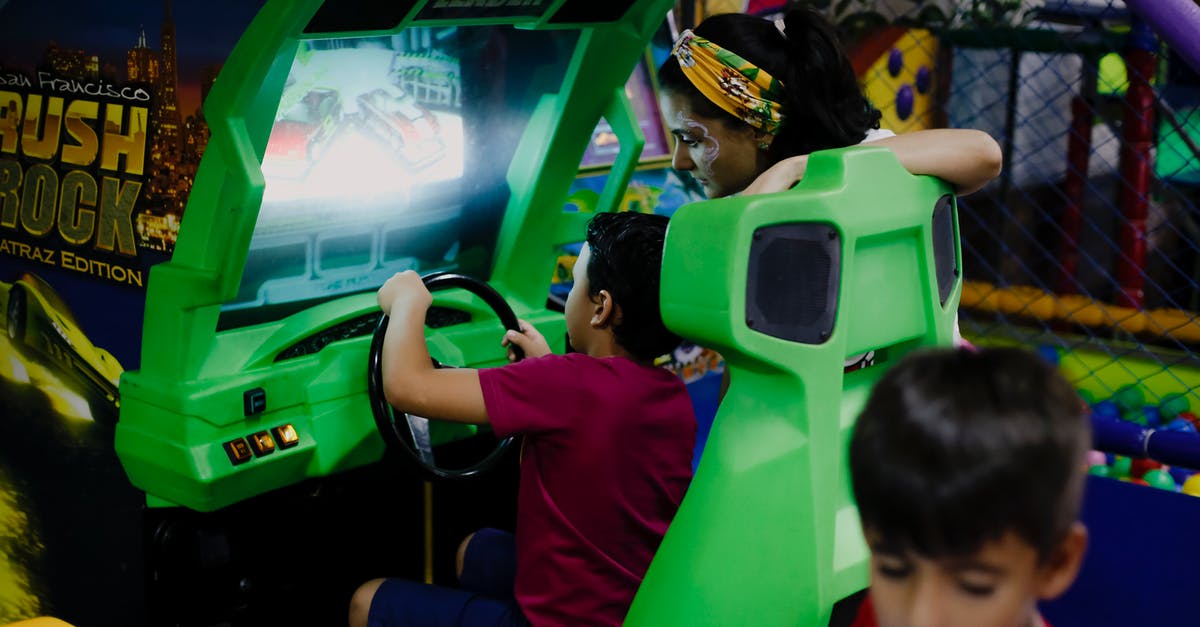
965, 158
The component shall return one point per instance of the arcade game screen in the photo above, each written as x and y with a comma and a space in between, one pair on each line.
389, 153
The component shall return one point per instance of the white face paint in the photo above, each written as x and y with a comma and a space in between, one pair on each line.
724, 158
711, 147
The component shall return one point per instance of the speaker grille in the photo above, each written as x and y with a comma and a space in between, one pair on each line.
945, 257
792, 282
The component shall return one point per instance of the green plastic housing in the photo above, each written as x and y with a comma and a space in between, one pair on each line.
768, 533
187, 399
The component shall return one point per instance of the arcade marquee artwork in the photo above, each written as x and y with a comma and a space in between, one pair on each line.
100, 139
101, 134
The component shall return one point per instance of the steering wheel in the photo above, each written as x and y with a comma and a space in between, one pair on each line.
408, 433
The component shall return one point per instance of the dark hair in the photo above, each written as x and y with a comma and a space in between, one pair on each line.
823, 105
626, 258
956, 448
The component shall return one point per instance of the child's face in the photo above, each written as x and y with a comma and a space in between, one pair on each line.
722, 160
998, 586
579, 308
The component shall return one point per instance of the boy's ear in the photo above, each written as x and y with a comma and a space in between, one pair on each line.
1060, 570
604, 310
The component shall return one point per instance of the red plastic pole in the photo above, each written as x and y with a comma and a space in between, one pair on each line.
1079, 148
1136, 165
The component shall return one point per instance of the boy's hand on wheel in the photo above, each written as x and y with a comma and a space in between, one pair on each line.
404, 289
529, 340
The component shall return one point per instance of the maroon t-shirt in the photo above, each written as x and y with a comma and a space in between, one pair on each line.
606, 461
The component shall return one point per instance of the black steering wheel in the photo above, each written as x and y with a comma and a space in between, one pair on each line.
408, 433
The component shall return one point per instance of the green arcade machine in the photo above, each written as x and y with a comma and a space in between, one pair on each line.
354, 139
861, 258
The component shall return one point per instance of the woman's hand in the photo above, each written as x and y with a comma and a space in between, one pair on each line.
779, 177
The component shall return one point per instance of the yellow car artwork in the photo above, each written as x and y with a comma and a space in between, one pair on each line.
39, 324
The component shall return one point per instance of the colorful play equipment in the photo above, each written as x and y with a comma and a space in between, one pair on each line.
900, 82
1039, 304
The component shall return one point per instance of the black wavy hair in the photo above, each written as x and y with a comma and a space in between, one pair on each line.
956, 448
823, 105
626, 259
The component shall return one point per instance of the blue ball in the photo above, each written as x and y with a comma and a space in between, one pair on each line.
1153, 417
895, 62
1107, 410
1046, 351
1181, 474
1179, 424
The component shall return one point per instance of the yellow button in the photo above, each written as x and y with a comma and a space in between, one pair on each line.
238, 451
262, 443
286, 436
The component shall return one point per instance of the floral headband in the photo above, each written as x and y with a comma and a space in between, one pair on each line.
747, 92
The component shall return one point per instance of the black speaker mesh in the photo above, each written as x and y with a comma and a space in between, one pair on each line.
945, 258
792, 282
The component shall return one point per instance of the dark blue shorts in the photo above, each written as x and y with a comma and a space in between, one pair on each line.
485, 599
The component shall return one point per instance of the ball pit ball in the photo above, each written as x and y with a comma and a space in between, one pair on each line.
1179, 424
1192, 485
1172, 405
1121, 466
1100, 470
1107, 409
1129, 397
1096, 458
1152, 416
1049, 354
1139, 467
1160, 479
1136, 416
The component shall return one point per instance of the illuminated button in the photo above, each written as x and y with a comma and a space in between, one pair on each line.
261, 443
286, 436
238, 451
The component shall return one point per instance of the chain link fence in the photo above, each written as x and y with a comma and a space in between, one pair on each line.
1087, 247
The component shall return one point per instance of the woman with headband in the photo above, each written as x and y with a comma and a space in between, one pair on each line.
748, 100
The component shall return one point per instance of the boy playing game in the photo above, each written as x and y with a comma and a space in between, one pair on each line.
968, 469
607, 454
